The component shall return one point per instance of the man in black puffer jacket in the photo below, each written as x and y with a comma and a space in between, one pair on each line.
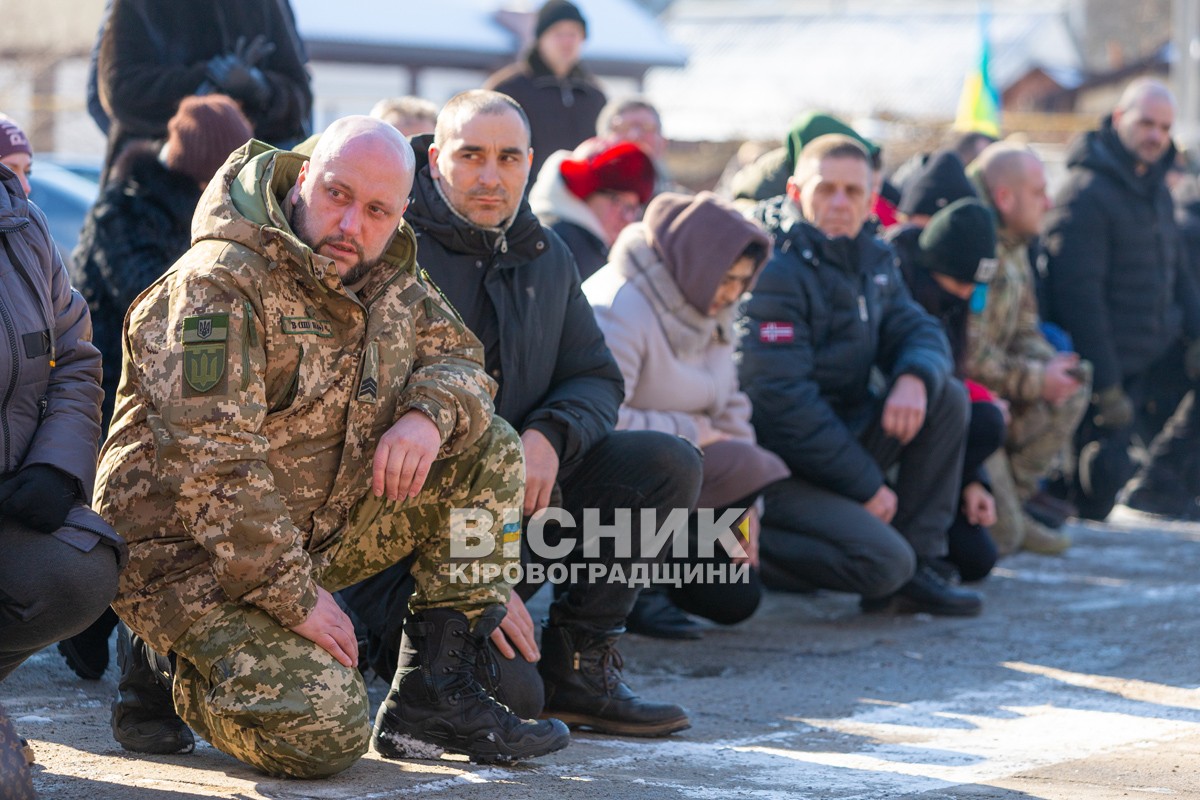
516, 286
1119, 286
831, 308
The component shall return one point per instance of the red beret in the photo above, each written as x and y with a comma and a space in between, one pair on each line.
624, 167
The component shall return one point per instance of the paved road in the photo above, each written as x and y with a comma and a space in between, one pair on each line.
1078, 682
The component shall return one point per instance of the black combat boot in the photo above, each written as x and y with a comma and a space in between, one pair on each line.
584, 687
143, 713
436, 702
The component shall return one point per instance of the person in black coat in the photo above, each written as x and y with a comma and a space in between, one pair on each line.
1118, 284
830, 309
561, 99
154, 53
516, 286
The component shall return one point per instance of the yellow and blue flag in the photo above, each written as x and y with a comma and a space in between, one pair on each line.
979, 103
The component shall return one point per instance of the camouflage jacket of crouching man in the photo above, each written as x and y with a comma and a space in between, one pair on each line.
255, 390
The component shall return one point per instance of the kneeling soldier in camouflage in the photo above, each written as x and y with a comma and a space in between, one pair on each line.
300, 409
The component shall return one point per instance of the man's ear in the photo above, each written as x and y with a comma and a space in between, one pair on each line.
1004, 198
434, 172
793, 190
294, 195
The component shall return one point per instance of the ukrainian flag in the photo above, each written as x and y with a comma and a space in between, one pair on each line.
979, 103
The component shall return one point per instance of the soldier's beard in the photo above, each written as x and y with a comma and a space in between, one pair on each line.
357, 273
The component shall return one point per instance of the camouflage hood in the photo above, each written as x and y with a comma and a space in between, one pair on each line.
247, 203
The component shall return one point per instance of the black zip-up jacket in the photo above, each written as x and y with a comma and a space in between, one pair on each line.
1114, 273
542, 343
823, 314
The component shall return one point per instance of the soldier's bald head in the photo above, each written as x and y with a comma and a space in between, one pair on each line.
371, 140
350, 196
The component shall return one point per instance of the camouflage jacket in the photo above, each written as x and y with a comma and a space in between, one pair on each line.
254, 392
1006, 351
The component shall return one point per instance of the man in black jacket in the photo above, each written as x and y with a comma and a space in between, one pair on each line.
1119, 285
515, 285
830, 309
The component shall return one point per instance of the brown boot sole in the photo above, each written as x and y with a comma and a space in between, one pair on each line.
616, 728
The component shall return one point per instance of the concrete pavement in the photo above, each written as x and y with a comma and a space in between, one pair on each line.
1079, 682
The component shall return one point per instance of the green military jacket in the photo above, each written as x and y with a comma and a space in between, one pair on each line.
255, 389
1006, 350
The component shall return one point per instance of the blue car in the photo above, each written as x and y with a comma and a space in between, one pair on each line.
65, 197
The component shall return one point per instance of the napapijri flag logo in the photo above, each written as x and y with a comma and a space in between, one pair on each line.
776, 332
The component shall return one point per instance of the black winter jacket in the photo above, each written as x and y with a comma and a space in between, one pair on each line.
589, 251
555, 372
562, 111
1114, 277
137, 229
823, 314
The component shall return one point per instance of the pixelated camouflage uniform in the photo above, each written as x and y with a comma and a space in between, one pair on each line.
239, 465
1007, 353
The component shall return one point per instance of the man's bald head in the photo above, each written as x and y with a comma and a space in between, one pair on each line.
366, 137
1143, 118
351, 194
1015, 181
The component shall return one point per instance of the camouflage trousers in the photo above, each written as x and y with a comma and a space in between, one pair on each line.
277, 701
1039, 439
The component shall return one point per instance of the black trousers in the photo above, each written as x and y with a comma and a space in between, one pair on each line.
49, 590
1167, 421
970, 547
831, 541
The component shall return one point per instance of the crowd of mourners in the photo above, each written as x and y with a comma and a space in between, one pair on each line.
243, 419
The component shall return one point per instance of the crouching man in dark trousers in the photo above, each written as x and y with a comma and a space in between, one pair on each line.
830, 309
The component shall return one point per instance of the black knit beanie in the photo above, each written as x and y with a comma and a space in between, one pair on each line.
939, 183
557, 11
960, 242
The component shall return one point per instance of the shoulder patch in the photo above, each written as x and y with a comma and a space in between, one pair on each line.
204, 339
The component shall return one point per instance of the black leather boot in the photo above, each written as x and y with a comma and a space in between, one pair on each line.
928, 593
143, 713
436, 703
584, 687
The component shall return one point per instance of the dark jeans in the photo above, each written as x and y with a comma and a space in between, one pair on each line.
1168, 418
831, 541
971, 549
626, 469
49, 591
719, 600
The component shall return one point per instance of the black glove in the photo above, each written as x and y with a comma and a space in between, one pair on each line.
239, 79
39, 496
1114, 409
253, 51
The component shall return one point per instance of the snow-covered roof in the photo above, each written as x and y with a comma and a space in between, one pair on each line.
754, 65
468, 33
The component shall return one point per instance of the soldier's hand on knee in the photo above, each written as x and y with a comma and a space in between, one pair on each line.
516, 629
404, 456
541, 470
328, 627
